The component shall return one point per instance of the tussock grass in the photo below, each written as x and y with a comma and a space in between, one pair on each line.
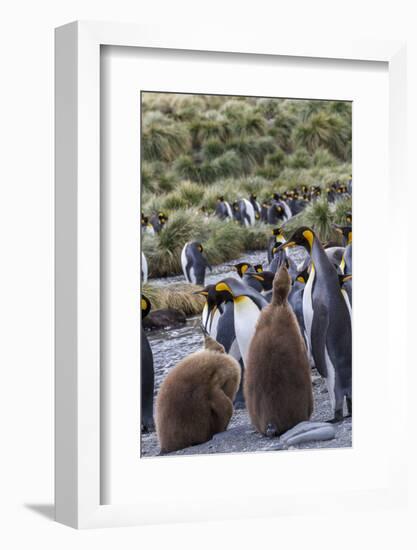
256, 237
197, 148
226, 242
342, 207
299, 159
177, 296
163, 251
318, 216
162, 140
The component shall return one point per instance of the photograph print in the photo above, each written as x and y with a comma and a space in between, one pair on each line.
246, 274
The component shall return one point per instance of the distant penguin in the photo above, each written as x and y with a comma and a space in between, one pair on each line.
144, 268
195, 401
262, 282
276, 237
327, 321
278, 389
241, 267
335, 255
346, 287
147, 227
279, 258
147, 375
244, 212
194, 263
264, 212
158, 221
276, 213
346, 232
256, 206
346, 263
297, 205
223, 209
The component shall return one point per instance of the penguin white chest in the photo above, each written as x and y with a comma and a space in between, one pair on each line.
190, 274
246, 317
308, 306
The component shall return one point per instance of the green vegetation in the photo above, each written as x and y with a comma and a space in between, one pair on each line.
196, 148
321, 217
209, 139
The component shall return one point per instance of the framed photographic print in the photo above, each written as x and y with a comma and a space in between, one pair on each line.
217, 355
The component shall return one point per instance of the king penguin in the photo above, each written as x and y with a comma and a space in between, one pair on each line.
247, 304
144, 268
194, 263
218, 321
147, 374
327, 321
346, 261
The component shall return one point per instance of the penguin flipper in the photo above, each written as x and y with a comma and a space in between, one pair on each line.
318, 338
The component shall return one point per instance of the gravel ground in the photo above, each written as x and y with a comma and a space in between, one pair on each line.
170, 346
241, 436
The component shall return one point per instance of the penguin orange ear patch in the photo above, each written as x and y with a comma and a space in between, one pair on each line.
220, 287
143, 303
308, 235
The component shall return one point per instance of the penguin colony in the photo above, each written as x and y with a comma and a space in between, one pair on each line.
264, 330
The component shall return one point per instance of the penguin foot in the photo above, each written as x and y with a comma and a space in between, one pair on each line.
271, 430
349, 405
147, 426
338, 417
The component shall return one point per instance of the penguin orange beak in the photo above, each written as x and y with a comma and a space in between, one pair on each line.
211, 315
201, 292
288, 244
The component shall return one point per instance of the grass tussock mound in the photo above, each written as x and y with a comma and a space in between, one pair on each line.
321, 216
177, 296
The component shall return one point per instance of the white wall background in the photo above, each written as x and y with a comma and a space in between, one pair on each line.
26, 268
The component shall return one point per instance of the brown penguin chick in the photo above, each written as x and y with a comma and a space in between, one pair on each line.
277, 387
195, 400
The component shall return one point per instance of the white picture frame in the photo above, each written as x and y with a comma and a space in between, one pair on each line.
78, 426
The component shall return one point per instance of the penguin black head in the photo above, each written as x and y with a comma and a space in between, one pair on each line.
242, 267
266, 278
163, 218
213, 299
258, 268
276, 196
252, 197
144, 220
343, 279
145, 306
220, 199
346, 231
302, 277
349, 218
303, 236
